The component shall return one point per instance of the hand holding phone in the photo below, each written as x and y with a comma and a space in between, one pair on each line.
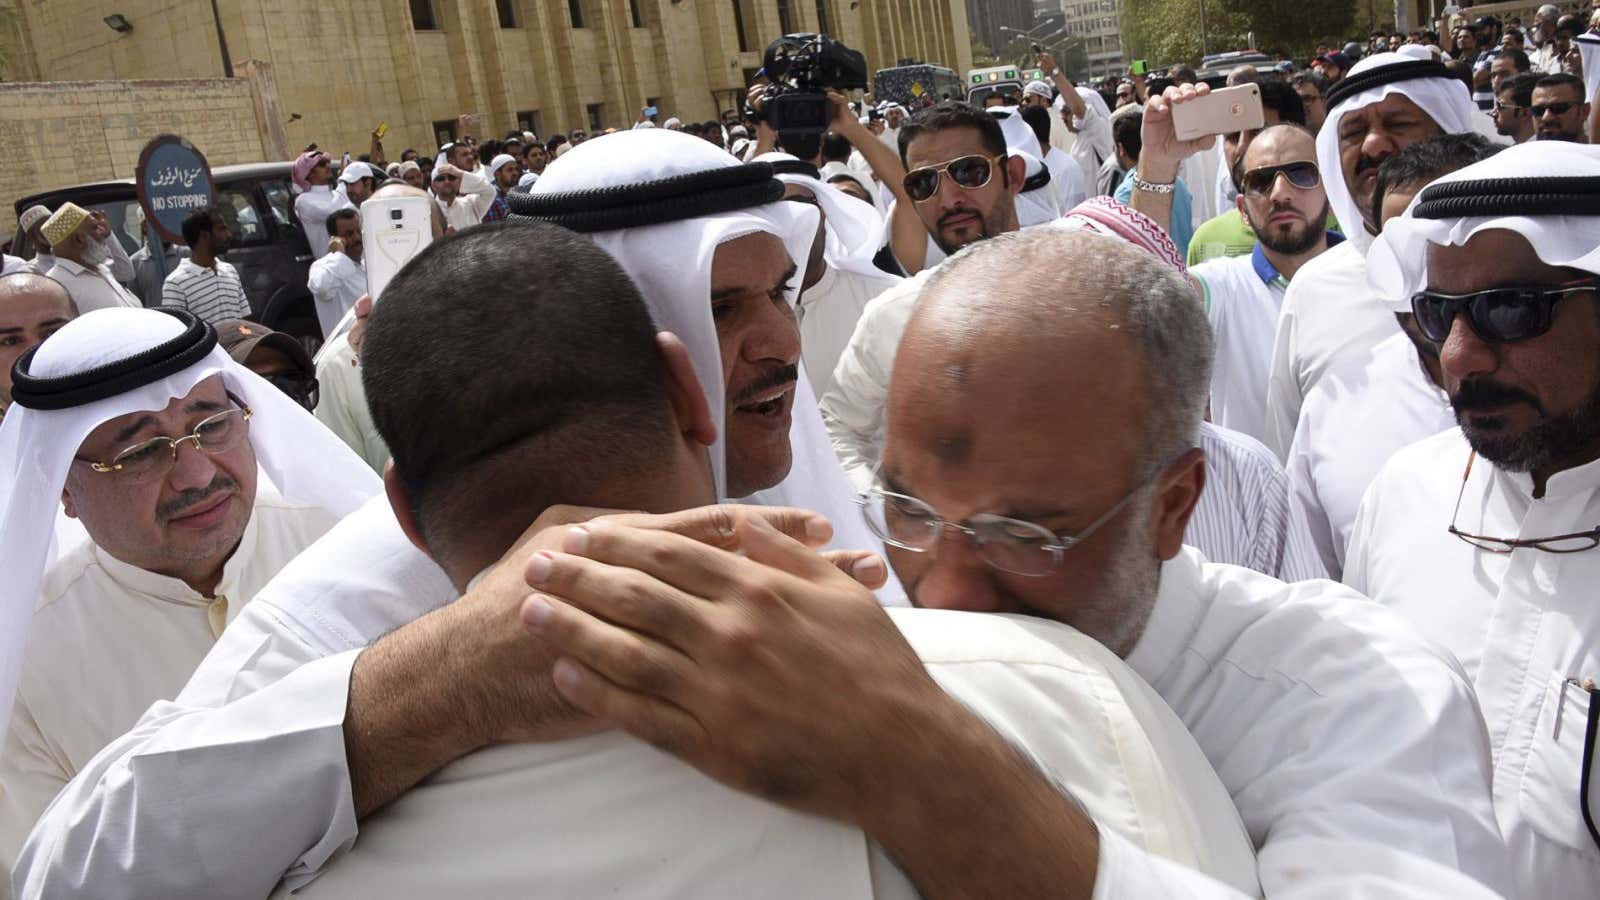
393, 231
1139, 67
1223, 111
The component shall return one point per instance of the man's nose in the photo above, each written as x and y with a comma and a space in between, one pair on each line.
957, 578
1463, 354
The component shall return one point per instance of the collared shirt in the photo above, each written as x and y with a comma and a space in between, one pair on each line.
342, 402
1225, 235
477, 194
1328, 314
499, 209
108, 639
1353, 747
828, 312
1243, 296
312, 208
213, 294
92, 289
1243, 516
146, 283
1353, 420
336, 282
15, 264
1521, 623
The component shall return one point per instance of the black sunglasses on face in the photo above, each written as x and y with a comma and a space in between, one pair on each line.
968, 172
1560, 109
1259, 182
1499, 315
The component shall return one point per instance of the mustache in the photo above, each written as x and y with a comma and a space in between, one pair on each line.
958, 211
1484, 394
783, 375
181, 504
1368, 163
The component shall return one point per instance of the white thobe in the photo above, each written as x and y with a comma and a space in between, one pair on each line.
1066, 176
1243, 516
92, 288
312, 208
610, 816
342, 402
336, 282
1243, 296
11, 265
1520, 622
108, 639
1354, 419
1091, 143
828, 312
42, 261
477, 194
1328, 314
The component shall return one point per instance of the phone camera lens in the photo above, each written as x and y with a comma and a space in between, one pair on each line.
396, 214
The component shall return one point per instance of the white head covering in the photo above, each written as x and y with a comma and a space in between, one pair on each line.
356, 171
671, 264
673, 123
1444, 99
1039, 205
499, 161
1589, 48
1397, 263
1038, 89
1091, 97
854, 230
1019, 134
302, 459
32, 216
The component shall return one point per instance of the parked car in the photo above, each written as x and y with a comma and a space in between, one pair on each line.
269, 247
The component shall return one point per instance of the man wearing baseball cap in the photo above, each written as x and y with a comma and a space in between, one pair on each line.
313, 175
275, 356
357, 182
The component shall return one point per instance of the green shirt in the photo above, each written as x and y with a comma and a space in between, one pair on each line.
1228, 235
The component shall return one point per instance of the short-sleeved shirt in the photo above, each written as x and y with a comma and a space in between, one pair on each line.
212, 293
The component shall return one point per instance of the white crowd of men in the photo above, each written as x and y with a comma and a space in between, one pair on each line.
241, 663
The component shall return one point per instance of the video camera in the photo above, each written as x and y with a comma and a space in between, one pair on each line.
801, 67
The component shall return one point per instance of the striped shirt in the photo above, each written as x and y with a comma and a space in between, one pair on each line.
211, 294
1244, 517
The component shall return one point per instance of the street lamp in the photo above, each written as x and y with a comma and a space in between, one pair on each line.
222, 41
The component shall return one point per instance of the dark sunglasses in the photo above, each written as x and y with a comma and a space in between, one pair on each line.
1560, 109
1259, 182
302, 389
968, 172
445, 176
1499, 315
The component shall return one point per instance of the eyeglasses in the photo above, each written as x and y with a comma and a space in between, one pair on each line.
1560, 109
446, 177
1508, 107
154, 458
1498, 315
1577, 542
1260, 181
969, 172
1010, 545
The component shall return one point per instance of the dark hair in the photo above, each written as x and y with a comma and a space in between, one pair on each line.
555, 141
1312, 77
332, 223
835, 148
575, 402
1521, 88
1519, 60
1038, 118
1276, 94
1563, 79
198, 223
799, 144
1461, 70
1182, 74
953, 114
1424, 161
1125, 134
408, 154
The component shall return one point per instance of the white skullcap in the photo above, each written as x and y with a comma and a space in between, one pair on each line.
32, 216
674, 123
500, 161
1038, 89
301, 458
1397, 263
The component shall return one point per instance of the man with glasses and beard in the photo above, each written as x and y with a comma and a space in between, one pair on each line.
1485, 535
1282, 200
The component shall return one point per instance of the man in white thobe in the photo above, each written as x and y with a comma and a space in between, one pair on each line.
1485, 535
313, 175
81, 243
1387, 102
1283, 202
180, 538
338, 280
462, 196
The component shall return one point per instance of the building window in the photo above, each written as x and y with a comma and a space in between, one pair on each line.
596, 116
422, 16
575, 11
529, 120
738, 25
635, 14
507, 10
822, 16
785, 17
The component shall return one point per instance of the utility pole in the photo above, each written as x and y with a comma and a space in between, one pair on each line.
1203, 48
222, 41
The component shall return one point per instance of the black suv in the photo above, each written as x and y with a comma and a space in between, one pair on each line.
269, 247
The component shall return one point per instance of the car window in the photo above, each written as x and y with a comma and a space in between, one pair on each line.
280, 201
239, 210
124, 216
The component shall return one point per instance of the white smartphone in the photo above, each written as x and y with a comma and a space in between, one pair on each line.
1222, 111
393, 231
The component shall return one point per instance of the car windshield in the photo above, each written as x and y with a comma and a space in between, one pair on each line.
124, 215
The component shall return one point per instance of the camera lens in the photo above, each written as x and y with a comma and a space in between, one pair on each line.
396, 214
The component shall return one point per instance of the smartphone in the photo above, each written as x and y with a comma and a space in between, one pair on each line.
1220, 112
1139, 67
393, 231
651, 111
382, 130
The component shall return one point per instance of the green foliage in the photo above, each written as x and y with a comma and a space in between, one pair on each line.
1168, 31
1292, 28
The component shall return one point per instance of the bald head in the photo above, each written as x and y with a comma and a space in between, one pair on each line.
1279, 144
32, 307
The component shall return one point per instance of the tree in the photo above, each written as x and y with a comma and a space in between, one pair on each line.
1168, 31
1293, 27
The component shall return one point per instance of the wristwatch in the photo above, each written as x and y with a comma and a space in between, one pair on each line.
1054, 72
1150, 187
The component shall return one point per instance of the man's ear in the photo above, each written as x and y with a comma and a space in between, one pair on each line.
401, 504
67, 505
1238, 203
1177, 493
689, 405
1016, 173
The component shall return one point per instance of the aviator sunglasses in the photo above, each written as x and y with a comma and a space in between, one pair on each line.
1499, 315
968, 172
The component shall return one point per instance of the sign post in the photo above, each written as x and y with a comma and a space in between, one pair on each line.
172, 180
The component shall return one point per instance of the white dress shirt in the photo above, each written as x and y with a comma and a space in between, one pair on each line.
1243, 296
92, 289
342, 402
608, 815
108, 639
336, 282
1521, 623
1328, 314
312, 208
1354, 419
276, 688
476, 195
1243, 517
828, 312
11, 265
